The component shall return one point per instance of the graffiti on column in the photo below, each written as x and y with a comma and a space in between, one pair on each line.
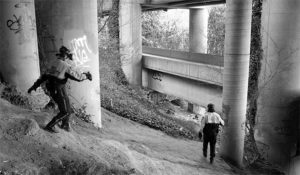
80, 51
157, 76
14, 24
284, 128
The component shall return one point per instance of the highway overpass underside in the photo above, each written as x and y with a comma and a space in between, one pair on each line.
235, 71
277, 119
74, 23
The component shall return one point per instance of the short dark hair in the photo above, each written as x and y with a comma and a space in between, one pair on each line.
210, 107
64, 51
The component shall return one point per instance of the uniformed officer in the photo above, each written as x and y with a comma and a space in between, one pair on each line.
211, 122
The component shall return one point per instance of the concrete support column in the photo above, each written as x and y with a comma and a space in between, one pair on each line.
198, 37
198, 30
278, 112
19, 62
131, 40
73, 23
235, 78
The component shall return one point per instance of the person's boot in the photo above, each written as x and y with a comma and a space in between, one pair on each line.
65, 124
55, 121
66, 127
211, 160
50, 129
205, 154
51, 125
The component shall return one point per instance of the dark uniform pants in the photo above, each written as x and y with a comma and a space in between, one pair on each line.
211, 139
61, 98
210, 132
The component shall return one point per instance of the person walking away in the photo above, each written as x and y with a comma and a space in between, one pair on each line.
211, 122
56, 78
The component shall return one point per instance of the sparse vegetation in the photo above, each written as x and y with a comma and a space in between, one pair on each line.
32, 102
251, 151
216, 31
123, 99
82, 114
131, 102
11, 94
163, 35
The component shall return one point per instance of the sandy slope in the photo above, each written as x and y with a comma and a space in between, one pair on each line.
120, 147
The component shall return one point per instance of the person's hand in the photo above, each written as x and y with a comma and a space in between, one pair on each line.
30, 89
88, 75
200, 135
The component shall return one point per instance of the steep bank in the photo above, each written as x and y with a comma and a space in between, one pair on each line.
120, 147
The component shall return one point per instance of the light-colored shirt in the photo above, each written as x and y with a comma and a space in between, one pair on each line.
211, 117
59, 68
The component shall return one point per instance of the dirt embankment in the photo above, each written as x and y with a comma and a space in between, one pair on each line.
120, 147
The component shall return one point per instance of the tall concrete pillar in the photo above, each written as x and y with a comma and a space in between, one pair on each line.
198, 30
19, 62
131, 40
198, 26
278, 114
235, 78
73, 23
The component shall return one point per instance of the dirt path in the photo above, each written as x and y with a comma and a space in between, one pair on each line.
185, 155
120, 147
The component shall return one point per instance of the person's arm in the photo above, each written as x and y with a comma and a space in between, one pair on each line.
220, 120
38, 82
202, 123
77, 76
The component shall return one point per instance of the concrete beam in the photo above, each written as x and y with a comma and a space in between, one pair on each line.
194, 91
191, 70
184, 2
169, 4
186, 56
19, 61
73, 23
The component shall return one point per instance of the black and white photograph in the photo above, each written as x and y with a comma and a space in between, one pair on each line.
149, 87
